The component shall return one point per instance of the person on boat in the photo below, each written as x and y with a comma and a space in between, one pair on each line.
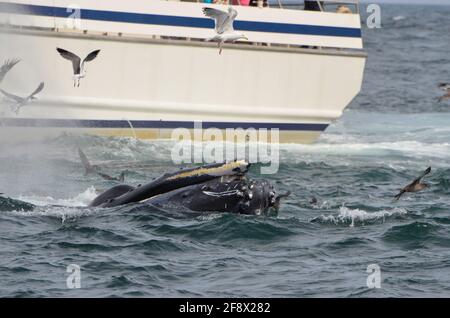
343, 9
240, 2
254, 3
311, 5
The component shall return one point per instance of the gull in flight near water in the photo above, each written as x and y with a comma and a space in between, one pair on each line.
6, 67
446, 88
19, 102
79, 70
224, 26
416, 185
90, 168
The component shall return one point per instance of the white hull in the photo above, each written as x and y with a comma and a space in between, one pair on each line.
153, 84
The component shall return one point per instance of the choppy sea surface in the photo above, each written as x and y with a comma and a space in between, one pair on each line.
392, 131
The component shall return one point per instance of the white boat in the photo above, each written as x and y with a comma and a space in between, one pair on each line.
297, 71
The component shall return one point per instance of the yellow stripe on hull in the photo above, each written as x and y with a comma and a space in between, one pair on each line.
291, 136
31, 133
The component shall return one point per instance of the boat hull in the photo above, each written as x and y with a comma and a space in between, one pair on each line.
168, 82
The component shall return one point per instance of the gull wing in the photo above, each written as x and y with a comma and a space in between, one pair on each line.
417, 180
221, 18
85, 161
400, 194
6, 67
412, 184
427, 171
37, 90
75, 59
91, 56
228, 24
13, 97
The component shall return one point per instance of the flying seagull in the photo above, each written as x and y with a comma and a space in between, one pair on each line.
7, 65
416, 185
79, 71
223, 26
90, 168
19, 102
446, 88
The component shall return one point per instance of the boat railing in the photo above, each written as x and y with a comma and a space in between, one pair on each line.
339, 6
258, 38
331, 6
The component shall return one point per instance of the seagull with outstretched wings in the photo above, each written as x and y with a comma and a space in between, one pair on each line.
223, 26
18, 102
79, 70
416, 185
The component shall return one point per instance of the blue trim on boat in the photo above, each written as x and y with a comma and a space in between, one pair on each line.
158, 124
142, 18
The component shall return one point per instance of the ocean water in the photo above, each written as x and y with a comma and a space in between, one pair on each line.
392, 131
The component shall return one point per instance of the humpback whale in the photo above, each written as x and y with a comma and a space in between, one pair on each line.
222, 187
235, 194
8, 204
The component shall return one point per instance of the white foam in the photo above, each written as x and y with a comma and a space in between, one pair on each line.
81, 200
61, 212
401, 153
64, 209
347, 215
398, 18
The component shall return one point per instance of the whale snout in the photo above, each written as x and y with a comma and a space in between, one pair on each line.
260, 198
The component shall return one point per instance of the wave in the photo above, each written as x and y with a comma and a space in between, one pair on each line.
81, 200
60, 212
354, 217
416, 235
225, 227
64, 209
398, 18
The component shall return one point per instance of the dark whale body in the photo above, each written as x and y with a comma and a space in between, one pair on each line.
112, 193
233, 195
122, 194
213, 188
